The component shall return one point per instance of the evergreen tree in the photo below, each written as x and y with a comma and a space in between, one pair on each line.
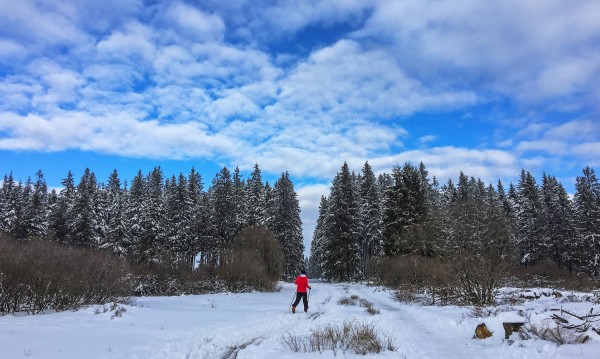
83, 220
8, 203
559, 227
370, 235
529, 219
341, 252
154, 233
198, 215
318, 242
287, 226
257, 207
222, 220
60, 214
134, 216
177, 222
118, 231
35, 216
587, 214
239, 198
405, 210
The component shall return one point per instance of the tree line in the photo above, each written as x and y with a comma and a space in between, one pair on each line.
366, 219
167, 221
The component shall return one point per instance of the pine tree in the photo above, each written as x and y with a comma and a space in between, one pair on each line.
118, 231
587, 214
83, 220
198, 215
35, 216
59, 223
256, 204
529, 219
154, 233
8, 198
341, 252
370, 235
176, 199
405, 210
222, 220
134, 216
287, 226
558, 224
318, 242
240, 200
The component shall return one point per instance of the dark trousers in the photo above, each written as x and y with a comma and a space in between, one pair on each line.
304, 297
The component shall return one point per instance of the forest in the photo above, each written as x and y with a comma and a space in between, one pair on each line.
168, 235
461, 239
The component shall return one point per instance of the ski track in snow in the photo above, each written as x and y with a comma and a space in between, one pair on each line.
251, 325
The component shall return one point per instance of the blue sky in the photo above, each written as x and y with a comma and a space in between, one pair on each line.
486, 87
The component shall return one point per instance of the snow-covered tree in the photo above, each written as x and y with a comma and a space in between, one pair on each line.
370, 235
341, 252
59, 222
587, 214
83, 222
315, 266
222, 220
529, 213
287, 225
256, 200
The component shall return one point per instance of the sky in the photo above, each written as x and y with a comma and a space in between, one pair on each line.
486, 87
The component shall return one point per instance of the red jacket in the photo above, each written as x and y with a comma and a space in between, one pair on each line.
301, 283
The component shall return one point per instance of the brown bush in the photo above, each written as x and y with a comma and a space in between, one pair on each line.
40, 275
153, 279
548, 274
256, 261
431, 277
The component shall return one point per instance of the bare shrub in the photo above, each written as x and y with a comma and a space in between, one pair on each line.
346, 301
256, 261
356, 300
40, 275
558, 334
548, 273
359, 338
418, 277
155, 279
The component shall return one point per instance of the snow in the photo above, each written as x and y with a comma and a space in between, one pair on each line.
251, 325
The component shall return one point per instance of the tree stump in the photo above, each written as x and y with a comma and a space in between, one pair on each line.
482, 332
511, 327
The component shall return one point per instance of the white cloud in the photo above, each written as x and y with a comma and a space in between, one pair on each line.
197, 24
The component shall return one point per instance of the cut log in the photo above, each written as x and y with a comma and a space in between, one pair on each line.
511, 327
482, 332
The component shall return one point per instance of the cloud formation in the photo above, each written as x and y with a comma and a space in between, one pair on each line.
305, 86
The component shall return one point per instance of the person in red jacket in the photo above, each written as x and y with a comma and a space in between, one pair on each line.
301, 285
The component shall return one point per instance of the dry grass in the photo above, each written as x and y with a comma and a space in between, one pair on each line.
359, 338
558, 334
356, 300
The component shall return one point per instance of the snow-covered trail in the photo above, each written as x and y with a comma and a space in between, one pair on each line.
251, 325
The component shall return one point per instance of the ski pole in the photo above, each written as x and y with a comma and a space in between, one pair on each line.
292, 302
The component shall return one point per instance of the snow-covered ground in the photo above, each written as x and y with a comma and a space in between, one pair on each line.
251, 325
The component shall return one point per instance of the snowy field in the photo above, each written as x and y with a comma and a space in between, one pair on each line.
251, 325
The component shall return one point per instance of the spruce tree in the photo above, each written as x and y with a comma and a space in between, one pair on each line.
341, 252
222, 220
587, 214
370, 235
287, 226
558, 224
59, 223
118, 232
83, 220
529, 220
318, 242
256, 203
